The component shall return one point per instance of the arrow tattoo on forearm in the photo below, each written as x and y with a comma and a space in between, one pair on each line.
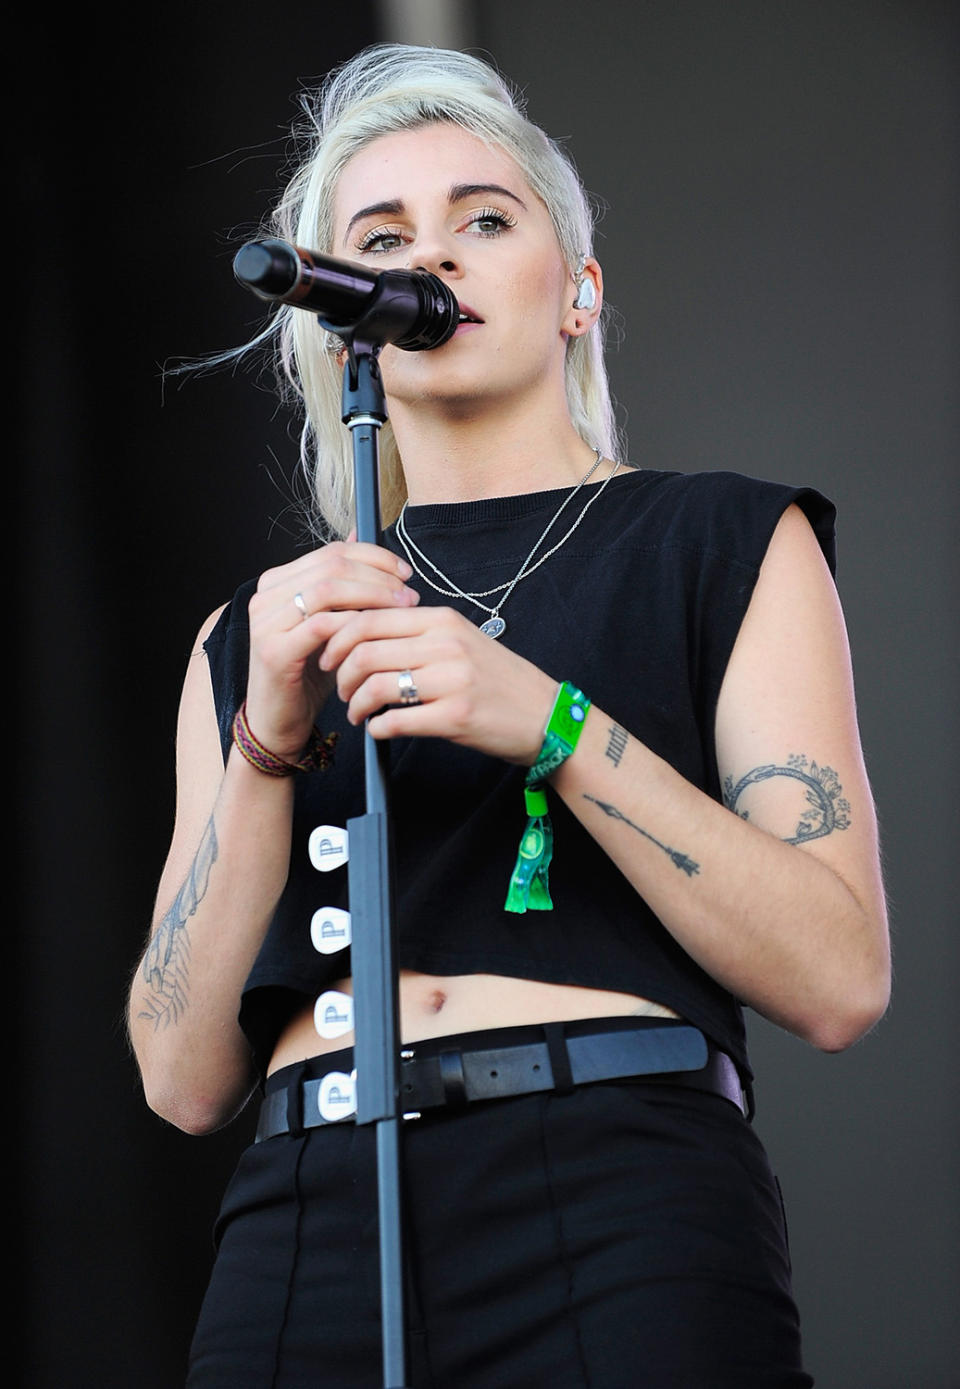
681, 860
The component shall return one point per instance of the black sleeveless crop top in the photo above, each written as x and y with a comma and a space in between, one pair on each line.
640, 608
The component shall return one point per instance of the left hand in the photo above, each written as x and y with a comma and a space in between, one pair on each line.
472, 690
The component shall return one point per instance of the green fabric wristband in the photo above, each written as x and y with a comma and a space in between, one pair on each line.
529, 883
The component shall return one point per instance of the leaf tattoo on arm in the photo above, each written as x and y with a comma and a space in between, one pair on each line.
166, 962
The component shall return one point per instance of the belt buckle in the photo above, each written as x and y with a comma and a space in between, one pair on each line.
446, 1081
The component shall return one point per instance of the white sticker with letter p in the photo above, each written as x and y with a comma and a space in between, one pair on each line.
330, 930
337, 1097
333, 1014
328, 847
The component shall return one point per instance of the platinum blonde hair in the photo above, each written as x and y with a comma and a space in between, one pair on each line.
382, 90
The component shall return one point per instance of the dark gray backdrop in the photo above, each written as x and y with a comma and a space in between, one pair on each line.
781, 244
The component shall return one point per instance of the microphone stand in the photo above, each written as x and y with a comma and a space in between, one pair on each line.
416, 312
371, 888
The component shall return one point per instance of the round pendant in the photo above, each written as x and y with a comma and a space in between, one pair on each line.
493, 627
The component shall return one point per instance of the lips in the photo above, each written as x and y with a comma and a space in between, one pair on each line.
467, 315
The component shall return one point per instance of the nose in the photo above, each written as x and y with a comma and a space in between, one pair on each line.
439, 255
449, 267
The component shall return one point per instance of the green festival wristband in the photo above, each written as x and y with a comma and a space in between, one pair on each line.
529, 884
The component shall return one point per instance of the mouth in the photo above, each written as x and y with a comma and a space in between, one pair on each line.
468, 316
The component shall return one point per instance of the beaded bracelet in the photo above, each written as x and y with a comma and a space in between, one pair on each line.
529, 884
317, 758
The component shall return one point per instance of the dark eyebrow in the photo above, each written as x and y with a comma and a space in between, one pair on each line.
392, 207
459, 191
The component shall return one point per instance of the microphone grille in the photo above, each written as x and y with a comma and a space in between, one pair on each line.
270, 268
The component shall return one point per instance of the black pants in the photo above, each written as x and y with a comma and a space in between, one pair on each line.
619, 1236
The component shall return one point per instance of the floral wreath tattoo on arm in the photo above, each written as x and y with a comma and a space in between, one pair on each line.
827, 809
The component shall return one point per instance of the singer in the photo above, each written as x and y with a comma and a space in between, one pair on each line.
628, 799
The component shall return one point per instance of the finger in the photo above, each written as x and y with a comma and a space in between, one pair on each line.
345, 591
415, 721
362, 552
337, 585
407, 688
309, 636
339, 557
388, 624
388, 656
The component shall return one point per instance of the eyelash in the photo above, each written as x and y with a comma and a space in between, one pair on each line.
493, 214
369, 242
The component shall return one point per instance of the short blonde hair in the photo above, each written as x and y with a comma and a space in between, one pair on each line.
382, 90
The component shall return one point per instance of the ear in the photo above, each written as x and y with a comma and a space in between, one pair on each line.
585, 305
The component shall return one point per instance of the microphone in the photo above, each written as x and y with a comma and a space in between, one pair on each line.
411, 308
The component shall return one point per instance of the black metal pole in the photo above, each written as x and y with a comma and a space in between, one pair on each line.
416, 311
372, 916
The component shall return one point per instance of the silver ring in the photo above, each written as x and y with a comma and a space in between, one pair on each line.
300, 606
409, 693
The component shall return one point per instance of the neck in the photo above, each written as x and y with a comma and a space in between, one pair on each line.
472, 459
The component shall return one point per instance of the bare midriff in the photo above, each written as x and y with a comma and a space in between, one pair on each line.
439, 1006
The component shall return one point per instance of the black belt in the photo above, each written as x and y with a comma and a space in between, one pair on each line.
434, 1075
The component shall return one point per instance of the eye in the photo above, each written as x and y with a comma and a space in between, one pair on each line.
490, 221
381, 240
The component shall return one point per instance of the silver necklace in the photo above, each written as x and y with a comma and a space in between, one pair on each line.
495, 626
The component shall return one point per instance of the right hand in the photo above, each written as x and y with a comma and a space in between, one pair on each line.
286, 687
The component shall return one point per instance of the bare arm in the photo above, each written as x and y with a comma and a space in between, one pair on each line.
230, 850
225, 870
781, 900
